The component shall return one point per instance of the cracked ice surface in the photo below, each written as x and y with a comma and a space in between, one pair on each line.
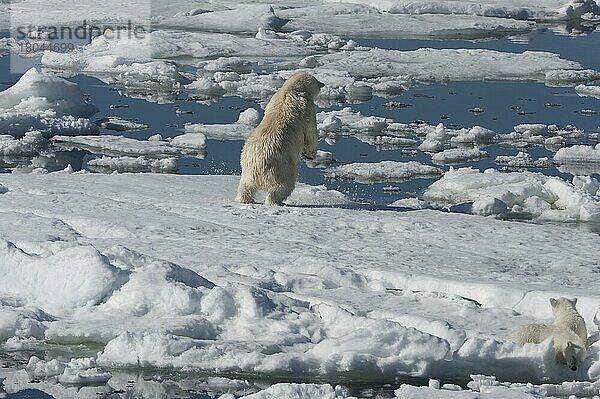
306, 283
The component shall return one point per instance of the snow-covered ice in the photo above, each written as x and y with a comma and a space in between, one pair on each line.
152, 280
523, 160
533, 194
458, 155
366, 172
578, 154
190, 144
132, 165
76, 372
520, 9
588, 91
238, 130
47, 103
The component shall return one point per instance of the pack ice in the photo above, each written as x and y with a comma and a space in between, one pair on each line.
173, 275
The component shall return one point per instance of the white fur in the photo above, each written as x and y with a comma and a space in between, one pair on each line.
568, 332
569, 349
566, 314
287, 132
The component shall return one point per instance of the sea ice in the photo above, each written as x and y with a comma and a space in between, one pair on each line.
140, 164
156, 284
382, 171
458, 155
538, 196
239, 130
120, 125
188, 144
588, 91
296, 391
31, 144
51, 283
76, 372
44, 102
519, 9
578, 154
523, 160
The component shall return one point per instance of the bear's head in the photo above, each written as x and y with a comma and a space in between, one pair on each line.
571, 355
562, 303
303, 83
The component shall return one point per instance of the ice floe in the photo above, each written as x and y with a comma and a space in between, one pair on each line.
239, 130
31, 144
534, 194
190, 144
458, 155
44, 102
382, 171
342, 18
120, 125
588, 91
76, 372
132, 165
523, 160
519, 9
578, 154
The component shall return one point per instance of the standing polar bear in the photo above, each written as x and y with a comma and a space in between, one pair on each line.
287, 132
569, 333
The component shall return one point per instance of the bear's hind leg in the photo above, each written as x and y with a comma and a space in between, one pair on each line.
245, 194
280, 194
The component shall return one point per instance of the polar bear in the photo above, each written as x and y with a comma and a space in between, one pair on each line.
287, 132
569, 349
569, 333
566, 314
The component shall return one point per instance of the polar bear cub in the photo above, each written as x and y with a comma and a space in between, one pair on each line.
569, 333
287, 132
566, 314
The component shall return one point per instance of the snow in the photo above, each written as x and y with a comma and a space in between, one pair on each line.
37, 92
382, 171
34, 278
379, 25
433, 65
533, 194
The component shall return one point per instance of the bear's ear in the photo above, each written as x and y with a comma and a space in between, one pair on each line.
573, 301
553, 302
